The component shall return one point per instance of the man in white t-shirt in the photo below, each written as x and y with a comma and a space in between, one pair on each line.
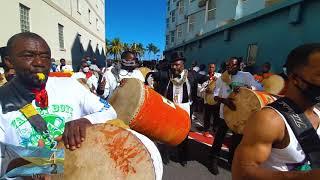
209, 110
269, 148
221, 93
32, 104
112, 78
63, 67
86, 74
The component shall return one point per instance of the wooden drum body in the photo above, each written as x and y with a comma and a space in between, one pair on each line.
273, 84
247, 102
149, 113
108, 152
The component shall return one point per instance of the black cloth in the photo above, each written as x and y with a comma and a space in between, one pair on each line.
210, 111
219, 138
302, 128
14, 96
162, 79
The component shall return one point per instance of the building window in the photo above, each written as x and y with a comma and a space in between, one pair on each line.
168, 5
179, 31
191, 1
89, 15
167, 40
181, 7
172, 36
191, 23
252, 54
24, 18
97, 24
78, 6
61, 39
173, 16
167, 22
211, 10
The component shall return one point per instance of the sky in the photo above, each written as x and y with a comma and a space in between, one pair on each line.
141, 21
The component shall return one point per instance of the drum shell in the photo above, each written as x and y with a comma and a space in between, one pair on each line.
161, 119
152, 115
118, 154
250, 102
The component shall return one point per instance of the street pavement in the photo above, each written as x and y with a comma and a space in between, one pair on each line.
198, 162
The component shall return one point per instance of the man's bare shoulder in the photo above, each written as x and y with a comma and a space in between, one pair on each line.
265, 124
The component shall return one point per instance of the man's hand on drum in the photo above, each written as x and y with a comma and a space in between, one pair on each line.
75, 133
123, 81
226, 101
236, 89
229, 102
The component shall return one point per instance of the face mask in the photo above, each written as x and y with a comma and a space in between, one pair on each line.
128, 65
86, 69
89, 63
312, 92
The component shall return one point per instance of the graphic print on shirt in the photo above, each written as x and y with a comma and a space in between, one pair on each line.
234, 85
55, 116
303, 166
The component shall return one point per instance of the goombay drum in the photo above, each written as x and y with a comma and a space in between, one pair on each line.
209, 97
149, 113
60, 74
144, 71
111, 152
247, 102
273, 84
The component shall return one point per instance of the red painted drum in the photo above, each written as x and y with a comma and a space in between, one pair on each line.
149, 113
109, 152
247, 102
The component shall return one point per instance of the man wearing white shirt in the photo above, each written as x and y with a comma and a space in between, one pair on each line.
210, 110
37, 111
221, 92
64, 67
112, 78
86, 74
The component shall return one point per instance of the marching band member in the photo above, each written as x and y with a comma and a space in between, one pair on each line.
112, 78
229, 82
210, 110
180, 86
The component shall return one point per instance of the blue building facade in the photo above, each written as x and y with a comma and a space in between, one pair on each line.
265, 36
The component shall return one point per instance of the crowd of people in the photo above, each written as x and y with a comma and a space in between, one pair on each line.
279, 141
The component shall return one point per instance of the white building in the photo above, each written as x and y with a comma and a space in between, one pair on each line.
190, 19
72, 28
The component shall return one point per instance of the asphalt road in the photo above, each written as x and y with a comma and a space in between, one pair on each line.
198, 163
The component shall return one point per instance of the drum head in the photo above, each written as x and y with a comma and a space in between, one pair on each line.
273, 84
109, 152
247, 102
126, 100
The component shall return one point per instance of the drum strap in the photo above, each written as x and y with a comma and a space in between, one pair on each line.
302, 128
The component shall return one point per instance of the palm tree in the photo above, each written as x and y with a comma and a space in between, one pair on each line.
126, 47
134, 48
140, 50
116, 48
150, 48
155, 51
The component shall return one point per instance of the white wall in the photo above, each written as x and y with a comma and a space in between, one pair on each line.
45, 16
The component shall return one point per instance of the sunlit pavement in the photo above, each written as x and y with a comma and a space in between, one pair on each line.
196, 168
